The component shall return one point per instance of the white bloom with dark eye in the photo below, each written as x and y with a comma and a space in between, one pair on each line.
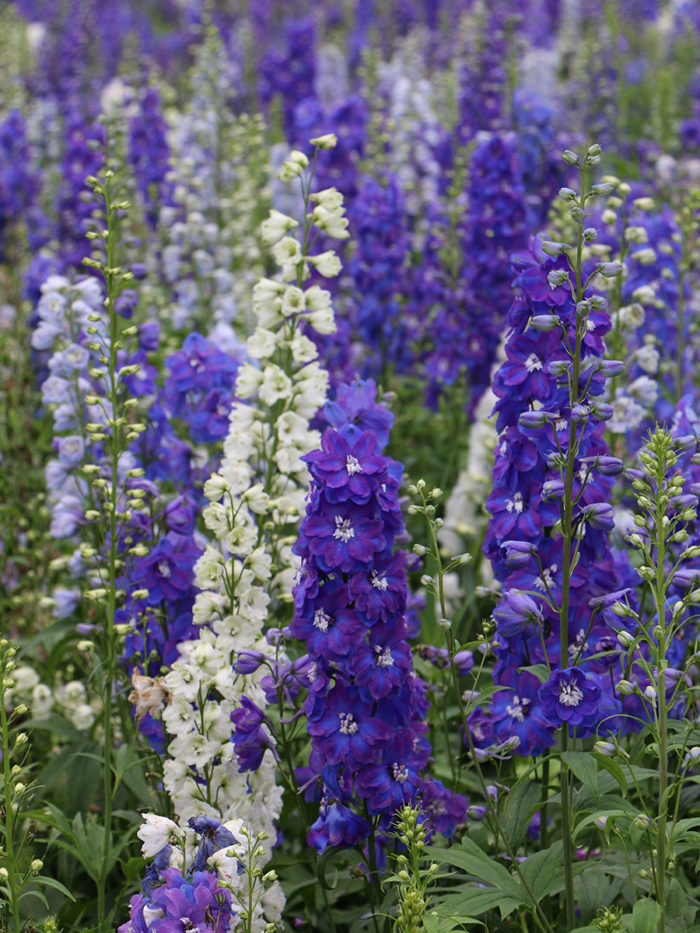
155, 834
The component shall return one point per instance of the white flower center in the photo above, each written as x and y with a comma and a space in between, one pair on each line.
321, 620
348, 726
343, 529
399, 772
570, 694
533, 362
515, 504
163, 568
547, 578
379, 581
384, 657
518, 708
352, 465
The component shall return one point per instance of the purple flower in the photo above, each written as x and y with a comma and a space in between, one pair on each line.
519, 613
348, 468
337, 825
569, 696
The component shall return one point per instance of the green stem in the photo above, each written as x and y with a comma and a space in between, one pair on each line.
108, 788
538, 914
567, 533
9, 819
662, 714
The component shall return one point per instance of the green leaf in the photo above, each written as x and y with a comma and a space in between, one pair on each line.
518, 810
645, 916
540, 671
53, 883
544, 871
612, 767
585, 768
470, 902
470, 858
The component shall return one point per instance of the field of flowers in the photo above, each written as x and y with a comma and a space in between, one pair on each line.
350, 466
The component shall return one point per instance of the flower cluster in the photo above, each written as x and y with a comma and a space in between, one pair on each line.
553, 470
366, 706
217, 685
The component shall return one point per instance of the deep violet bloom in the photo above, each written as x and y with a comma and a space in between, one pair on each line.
214, 836
349, 468
337, 825
570, 696
195, 902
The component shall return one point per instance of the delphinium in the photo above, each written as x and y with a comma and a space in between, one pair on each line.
185, 424
550, 512
650, 330
478, 234
207, 258
149, 153
378, 220
20, 872
658, 637
216, 691
95, 481
365, 707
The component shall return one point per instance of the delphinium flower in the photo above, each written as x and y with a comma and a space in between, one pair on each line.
483, 85
193, 877
83, 155
185, 425
476, 242
286, 73
365, 706
246, 572
378, 221
208, 258
149, 153
651, 330
19, 182
553, 471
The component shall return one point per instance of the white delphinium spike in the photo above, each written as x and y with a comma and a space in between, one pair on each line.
248, 570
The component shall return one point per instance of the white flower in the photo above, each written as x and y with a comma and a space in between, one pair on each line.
326, 263
247, 381
82, 716
317, 298
327, 141
287, 254
293, 301
330, 199
648, 358
260, 563
42, 700
262, 343
303, 349
276, 226
332, 222
257, 499
276, 385
323, 322
155, 834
